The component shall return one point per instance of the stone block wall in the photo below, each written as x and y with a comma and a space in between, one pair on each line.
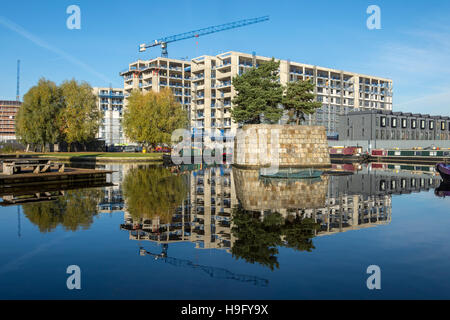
265, 145
257, 194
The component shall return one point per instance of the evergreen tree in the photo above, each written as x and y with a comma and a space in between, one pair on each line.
299, 100
259, 94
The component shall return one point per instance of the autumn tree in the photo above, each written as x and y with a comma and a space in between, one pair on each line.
80, 118
36, 119
299, 100
150, 118
151, 192
73, 211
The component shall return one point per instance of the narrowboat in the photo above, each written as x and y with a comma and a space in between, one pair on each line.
444, 171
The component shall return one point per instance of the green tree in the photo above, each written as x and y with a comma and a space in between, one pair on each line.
35, 121
299, 100
298, 233
259, 93
80, 118
151, 118
256, 240
153, 192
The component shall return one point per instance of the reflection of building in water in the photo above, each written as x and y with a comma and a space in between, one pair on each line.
212, 200
337, 203
113, 200
204, 218
364, 199
151, 229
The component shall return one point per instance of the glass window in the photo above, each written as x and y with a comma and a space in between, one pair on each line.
422, 124
442, 125
404, 123
394, 122
383, 121
431, 125
413, 123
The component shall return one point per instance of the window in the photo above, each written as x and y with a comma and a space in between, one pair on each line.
394, 122
422, 124
442, 125
431, 125
413, 123
383, 121
404, 123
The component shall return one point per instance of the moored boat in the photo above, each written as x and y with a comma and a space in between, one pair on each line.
444, 171
443, 190
291, 173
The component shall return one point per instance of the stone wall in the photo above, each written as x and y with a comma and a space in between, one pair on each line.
257, 194
281, 146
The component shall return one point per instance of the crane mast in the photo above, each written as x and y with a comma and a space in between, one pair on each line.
162, 42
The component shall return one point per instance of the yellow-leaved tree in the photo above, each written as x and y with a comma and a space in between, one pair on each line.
150, 118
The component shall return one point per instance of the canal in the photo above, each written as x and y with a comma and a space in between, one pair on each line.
226, 233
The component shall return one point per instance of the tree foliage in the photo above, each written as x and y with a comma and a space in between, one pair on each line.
80, 118
73, 211
152, 192
36, 119
51, 114
259, 94
299, 100
151, 118
258, 241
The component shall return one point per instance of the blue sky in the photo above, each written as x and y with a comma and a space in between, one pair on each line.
412, 48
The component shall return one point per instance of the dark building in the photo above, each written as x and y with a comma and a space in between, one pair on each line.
377, 127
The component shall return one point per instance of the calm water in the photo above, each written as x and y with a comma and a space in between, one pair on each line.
223, 233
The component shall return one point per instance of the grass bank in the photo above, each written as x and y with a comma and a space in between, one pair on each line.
98, 156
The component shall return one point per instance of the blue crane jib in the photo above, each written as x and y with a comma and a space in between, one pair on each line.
200, 32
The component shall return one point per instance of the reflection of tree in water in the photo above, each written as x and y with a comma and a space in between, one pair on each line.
72, 211
152, 192
258, 239
298, 233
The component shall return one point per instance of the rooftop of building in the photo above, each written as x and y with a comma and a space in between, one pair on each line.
397, 113
224, 55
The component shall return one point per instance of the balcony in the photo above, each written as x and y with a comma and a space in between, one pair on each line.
224, 64
197, 78
224, 84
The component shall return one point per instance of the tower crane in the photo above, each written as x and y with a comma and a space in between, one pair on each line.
197, 33
214, 272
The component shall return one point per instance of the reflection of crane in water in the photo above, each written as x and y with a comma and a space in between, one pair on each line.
214, 272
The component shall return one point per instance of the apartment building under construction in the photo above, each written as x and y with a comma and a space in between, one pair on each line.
204, 86
339, 91
159, 73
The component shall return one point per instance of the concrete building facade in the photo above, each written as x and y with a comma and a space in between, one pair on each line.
8, 112
111, 103
384, 129
159, 73
339, 91
203, 86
